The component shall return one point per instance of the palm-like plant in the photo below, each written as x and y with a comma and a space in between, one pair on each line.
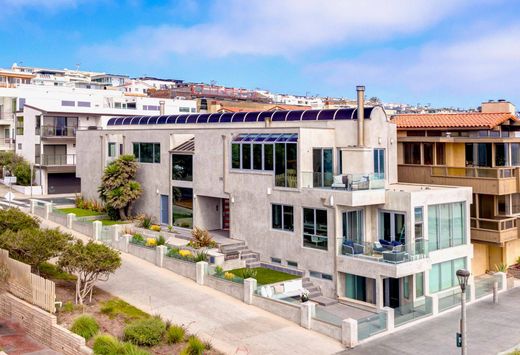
118, 188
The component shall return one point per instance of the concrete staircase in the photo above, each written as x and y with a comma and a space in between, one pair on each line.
241, 251
314, 290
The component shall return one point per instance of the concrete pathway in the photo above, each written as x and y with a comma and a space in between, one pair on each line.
492, 328
232, 326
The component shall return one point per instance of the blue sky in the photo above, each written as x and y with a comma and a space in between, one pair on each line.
443, 52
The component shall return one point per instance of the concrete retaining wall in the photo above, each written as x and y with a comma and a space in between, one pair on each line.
184, 268
145, 253
282, 309
327, 329
41, 326
230, 288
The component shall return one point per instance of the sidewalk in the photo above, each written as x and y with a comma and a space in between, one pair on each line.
232, 326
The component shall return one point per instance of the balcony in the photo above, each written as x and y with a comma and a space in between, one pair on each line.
494, 230
57, 131
392, 261
490, 181
56, 160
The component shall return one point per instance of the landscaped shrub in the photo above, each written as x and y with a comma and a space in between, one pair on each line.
229, 276
151, 242
248, 273
155, 228
147, 332
219, 271
202, 238
67, 307
195, 346
22, 171
116, 307
145, 221
161, 240
501, 267
85, 326
106, 345
201, 256
170, 228
131, 349
14, 219
138, 239
175, 334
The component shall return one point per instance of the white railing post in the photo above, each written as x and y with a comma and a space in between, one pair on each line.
249, 290
126, 241
308, 310
471, 296
96, 227
71, 217
201, 272
160, 252
503, 276
47, 210
32, 206
390, 318
349, 332
434, 299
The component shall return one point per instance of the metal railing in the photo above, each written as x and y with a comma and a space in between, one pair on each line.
58, 159
371, 325
498, 225
388, 254
484, 285
451, 298
410, 312
347, 182
57, 131
473, 172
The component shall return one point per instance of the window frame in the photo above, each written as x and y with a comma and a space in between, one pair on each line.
282, 217
326, 237
155, 155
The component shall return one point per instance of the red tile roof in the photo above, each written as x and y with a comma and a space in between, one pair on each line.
471, 120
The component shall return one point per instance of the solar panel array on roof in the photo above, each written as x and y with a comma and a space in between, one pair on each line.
257, 116
263, 137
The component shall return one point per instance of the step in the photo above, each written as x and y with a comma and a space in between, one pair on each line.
324, 301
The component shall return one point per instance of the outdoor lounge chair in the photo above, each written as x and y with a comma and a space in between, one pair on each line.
340, 182
351, 248
394, 257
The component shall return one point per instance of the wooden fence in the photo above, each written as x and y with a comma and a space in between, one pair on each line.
28, 286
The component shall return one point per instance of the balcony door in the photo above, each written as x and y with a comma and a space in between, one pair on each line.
55, 154
60, 124
392, 226
322, 167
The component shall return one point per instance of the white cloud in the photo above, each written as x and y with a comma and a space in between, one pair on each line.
283, 27
479, 65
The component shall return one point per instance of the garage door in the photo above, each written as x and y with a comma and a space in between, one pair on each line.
63, 183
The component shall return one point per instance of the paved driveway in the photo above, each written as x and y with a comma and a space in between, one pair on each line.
491, 329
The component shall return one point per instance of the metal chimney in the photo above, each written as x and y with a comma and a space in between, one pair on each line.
161, 107
361, 114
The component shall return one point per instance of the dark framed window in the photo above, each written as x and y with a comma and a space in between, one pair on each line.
412, 153
235, 156
353, 226
111, 150
283, 217
315, 228
182, 167
322, 167
268, 157
428, 153
182, 207
379, 163
147, 152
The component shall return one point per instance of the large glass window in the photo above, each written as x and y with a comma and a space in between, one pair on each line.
322, 167
257, 156
412, 153
111, 150
147, 152
246, 156
419, 284
428, 153
440, 153
379, 163
446, 225
235, 156
353, 226
268, 157
501, 154
515, 154
443, 275
315, 228
355, 287
283, 217
182, 209
182, 167
392, 226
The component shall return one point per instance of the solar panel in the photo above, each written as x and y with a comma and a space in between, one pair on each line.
171, 119
310, 115
326, 115
203, 118
226, 117
214, 117
239, 117
251, 117
153, 120
181, 119
135, 120
162, 119
295, 115
192, 119
279, 116
127, 120
263, 115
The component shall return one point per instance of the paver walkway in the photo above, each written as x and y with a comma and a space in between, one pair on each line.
232, 326
492, 328
15, 341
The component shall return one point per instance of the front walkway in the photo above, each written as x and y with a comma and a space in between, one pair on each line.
492, 328
15, 341
232, 326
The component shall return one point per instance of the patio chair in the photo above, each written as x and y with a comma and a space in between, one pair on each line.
394, 257
351, 248
339, 182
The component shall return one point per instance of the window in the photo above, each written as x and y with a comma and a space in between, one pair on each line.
353, 226
283, 217
340, 162
440, 153
419, 284
120, 149
83, 104
147, 152
446, 225
246, 156
392, 226
268, 156
276, 260
315, 228
501, 154
355, 287
111, 150
257, 156
286, 165
182, 207
235, 156
419, 222
19, 125
184, 109
292, 263
67, 103
379, 163
182, 167
322, 167
412, 153
443, 275
320, 275
428, 153
515, 154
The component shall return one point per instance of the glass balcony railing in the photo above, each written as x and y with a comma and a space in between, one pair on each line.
57, 131
474, 172
498, 225
371, 325
412, 311
347, 182
56, 159
387, 253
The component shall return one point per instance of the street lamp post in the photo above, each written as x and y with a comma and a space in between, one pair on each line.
463, 276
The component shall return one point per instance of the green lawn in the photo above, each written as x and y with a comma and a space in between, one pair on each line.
267, 276
80, 212
109, 222
115, 307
